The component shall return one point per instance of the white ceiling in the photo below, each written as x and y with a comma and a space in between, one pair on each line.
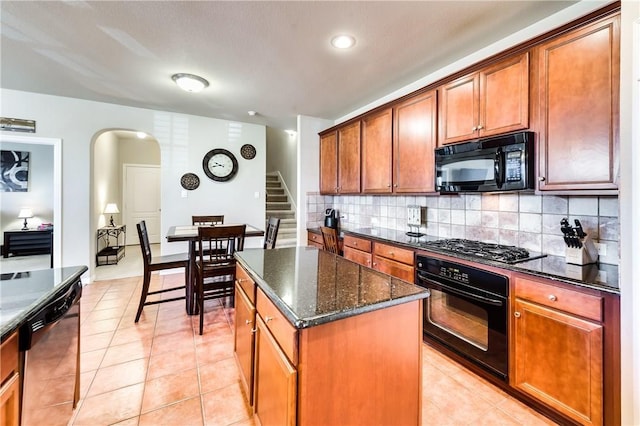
273, 57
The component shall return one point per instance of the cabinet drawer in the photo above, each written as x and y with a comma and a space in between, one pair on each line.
316, 238
9, 356
248, 285
393, 268
361, 257
279, 326
394, 253
357, 243
574, 302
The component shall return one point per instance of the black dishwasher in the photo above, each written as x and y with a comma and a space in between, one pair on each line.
50, 341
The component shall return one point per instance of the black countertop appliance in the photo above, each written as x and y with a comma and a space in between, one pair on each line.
331, 218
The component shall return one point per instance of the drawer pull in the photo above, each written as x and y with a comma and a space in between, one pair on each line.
248, 322
516, 314
267, 318
553, 297
253, 330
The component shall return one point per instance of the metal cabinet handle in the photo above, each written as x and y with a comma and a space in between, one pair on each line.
553, 297
253, 330
516, 314
248, 322
542, 178
267, 318
480, 127
474, 128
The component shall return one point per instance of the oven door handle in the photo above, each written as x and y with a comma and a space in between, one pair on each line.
476, 297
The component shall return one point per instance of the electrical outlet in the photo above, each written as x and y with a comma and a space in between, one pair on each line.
601, 277
602, 249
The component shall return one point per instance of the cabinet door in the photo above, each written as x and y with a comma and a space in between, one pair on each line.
458, 112
578, 102
349, 159
559, 361
275, 381
376, 152
414, 140
244, 341
358, 256
9, 402
393, 268
504, 96
329, 163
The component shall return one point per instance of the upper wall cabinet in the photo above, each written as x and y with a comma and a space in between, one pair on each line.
376, 152
578, 85
491, 101
340, 160
414, 139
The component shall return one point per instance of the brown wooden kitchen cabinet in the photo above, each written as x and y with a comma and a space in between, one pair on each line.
357, 250
314, 239
577, 102
340, 160
558, 347
244, 327
10, 382
376, 152
491, 101
393, 260
414, 139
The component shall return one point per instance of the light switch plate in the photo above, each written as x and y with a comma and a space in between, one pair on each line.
416, 215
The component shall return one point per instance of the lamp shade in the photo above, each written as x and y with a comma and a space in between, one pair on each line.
25, 213
111, 208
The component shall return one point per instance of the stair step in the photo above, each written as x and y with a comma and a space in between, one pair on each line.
286, 242
273, 185
272, 178
282, 214
278, 206
276, 198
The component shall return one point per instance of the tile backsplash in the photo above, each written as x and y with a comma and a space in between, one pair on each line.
525, 220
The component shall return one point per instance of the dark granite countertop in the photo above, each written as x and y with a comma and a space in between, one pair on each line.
601, 276
312, 287
23, 293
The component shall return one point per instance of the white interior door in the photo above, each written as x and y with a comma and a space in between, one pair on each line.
141, 194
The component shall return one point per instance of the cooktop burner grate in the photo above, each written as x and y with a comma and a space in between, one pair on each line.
490, 251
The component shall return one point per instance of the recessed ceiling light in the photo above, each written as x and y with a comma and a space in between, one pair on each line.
190, 82
343, 41
251, 113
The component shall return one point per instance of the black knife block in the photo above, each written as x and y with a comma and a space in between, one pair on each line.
584, 255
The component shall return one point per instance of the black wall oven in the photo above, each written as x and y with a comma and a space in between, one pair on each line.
467, 311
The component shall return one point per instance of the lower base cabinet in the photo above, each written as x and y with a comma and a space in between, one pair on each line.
559, 349
10, 382
275, 381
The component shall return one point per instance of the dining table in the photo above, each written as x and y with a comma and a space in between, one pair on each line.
189, 233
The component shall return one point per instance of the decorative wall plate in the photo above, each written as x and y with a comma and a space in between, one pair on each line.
190, 181
247, 151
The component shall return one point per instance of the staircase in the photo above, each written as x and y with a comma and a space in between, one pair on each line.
278, 205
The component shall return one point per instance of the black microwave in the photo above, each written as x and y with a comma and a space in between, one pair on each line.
502, 163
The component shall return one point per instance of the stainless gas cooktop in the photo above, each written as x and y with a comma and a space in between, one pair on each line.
489, 251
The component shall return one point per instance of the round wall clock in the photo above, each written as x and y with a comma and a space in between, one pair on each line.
190, 181
248, 151
220, 165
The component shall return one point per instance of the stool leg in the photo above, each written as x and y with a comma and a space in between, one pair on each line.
143, 294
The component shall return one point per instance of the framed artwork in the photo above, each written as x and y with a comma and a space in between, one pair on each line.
14, 171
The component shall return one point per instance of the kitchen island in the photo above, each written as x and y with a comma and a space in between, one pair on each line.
322, 340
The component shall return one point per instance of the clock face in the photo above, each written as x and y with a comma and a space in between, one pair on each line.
220, 165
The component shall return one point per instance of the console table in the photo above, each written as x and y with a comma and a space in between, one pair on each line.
31, 241
114, 239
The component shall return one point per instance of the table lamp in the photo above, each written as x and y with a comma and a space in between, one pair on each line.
111, 208
25, 214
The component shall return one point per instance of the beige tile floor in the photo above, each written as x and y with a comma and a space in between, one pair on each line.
160, 371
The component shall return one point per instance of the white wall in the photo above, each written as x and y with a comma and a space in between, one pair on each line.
39, 197
106, 177
183, 139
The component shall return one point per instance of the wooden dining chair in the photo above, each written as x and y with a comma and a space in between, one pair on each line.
207, 220
158, 263
216, 266
271, 234
330, 239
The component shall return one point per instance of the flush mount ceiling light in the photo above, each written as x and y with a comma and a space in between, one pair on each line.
190, 82
251, 113
343, 41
